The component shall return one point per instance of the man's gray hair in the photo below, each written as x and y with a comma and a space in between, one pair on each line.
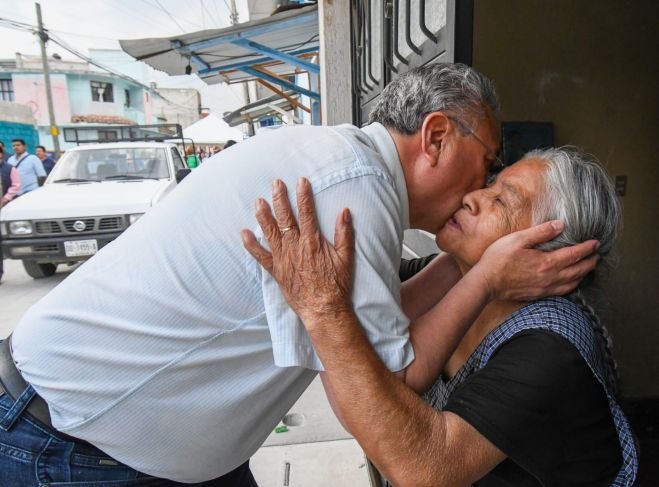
580, 193
455, 89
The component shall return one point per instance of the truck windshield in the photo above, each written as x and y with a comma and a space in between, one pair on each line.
111, 164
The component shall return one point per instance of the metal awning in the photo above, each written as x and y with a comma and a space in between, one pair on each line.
263, 108
268, 49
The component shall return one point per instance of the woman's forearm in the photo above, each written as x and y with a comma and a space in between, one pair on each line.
436, 334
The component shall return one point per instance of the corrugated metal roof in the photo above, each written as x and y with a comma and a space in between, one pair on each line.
257, 110
294, 32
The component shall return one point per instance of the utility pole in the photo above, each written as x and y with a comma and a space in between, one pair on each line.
233, 15
234, 12
43, 37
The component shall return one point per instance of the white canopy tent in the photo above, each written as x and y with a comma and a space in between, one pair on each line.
212, 130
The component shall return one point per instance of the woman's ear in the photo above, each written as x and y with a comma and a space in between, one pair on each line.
433, 135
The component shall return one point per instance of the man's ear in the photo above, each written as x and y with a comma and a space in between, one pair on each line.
433, 135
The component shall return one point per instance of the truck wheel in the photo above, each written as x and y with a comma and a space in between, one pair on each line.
39, 271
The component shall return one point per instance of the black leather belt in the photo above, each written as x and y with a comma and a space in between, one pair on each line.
14, 385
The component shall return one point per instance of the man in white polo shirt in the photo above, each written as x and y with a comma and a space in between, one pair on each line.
171, 355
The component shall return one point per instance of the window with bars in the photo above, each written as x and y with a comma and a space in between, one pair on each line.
6, 90
102, 91
107, 135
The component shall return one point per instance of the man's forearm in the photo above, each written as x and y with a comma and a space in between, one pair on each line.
364, 390
425, 289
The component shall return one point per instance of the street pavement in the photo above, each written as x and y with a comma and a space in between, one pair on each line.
313, 451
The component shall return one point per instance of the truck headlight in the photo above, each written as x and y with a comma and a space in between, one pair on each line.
20, 228
133, 218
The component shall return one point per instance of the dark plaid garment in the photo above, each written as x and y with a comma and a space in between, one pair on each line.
568, 320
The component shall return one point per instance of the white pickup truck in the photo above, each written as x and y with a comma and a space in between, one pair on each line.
92, 195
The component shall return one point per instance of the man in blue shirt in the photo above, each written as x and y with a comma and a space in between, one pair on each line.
47, 161
29, 167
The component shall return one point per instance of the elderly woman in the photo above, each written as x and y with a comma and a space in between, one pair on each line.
528, 396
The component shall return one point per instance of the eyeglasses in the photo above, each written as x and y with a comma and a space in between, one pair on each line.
496, 164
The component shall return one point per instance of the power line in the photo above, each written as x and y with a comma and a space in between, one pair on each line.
16, 25
217, 10
210, 16
170, 15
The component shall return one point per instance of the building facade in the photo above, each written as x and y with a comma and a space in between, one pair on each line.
82, 94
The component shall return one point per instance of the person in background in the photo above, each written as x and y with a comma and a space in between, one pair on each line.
47, 161
5, 153
10, 183
29, 167
191, 159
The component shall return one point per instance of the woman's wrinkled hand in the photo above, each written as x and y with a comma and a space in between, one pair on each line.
315, 276
514, 269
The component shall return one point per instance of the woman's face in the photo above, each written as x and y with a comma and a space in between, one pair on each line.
487, 214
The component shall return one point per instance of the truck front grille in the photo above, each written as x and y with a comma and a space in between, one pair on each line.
46, 227
68, 226
89, 225
111, 223
45, 248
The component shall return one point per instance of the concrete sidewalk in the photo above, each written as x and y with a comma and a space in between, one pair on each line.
315, 451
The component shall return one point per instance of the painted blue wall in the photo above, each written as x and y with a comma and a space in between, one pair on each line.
80, 97
13, 130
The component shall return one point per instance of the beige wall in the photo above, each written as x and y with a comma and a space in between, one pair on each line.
590, 67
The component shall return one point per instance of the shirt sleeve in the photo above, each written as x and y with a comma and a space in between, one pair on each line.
15, 184
38, 167
375, 211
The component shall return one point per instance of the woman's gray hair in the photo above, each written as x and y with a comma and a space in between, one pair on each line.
578, 191
455, 89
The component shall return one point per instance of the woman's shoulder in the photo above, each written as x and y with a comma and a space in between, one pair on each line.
557, 315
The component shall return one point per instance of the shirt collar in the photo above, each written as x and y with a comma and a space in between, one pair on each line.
385, 145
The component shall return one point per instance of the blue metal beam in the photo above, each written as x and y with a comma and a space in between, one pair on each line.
286, 85
278, 55
253, 61
257, 30
193, 57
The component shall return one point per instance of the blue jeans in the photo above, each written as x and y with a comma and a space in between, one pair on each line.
32, 454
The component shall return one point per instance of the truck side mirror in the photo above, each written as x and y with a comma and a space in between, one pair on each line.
181, 173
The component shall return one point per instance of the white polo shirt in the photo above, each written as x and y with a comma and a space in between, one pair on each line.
171, 350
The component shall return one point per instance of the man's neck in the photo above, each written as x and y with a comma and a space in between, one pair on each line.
407, 147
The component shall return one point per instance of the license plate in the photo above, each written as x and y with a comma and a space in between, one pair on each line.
77, 248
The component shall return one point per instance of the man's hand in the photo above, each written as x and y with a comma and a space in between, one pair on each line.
514, 269
314, 276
